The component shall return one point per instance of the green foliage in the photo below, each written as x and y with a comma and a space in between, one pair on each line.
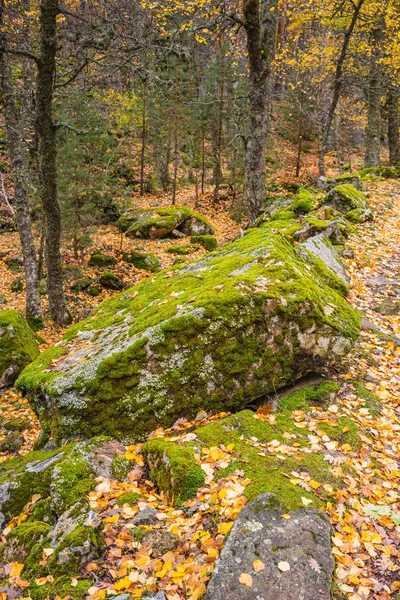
209, 242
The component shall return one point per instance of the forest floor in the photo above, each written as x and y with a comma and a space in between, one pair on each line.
366, 513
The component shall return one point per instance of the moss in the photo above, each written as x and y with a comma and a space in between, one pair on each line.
139, 533
283, 214
22, 542
372, 401
18, 346
120, 467
101, 260
18, 424
17, 285
269, 473
173, 469
61, 588
303, 202
147, 262
359, 215
42, 511
185, 249
345, 197
72, 479
309, 396
130, 498
110, 281
209, 242
81, 284
80, 537
344, 431
225, 328
95, 290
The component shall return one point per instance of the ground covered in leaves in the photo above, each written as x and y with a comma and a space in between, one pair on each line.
362, 500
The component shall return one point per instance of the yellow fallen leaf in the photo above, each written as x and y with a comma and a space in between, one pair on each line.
16, 569
74, 582
48, 551
225, 527
246, 579
306, 501
283, 566
258, 565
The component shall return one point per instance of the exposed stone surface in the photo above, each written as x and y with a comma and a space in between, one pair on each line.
18, 346
345, 198
161, 542
147, 262
320, 247
212, 335
259, 533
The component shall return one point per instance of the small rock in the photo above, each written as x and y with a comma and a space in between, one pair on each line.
17, 285
84, 313
161, 542
3, 299
147, 516
348, 253
388, 307
177, 234
12, 443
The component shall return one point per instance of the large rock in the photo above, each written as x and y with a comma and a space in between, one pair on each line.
18, 346
345, 198
295, 554
319, 248
214, 335
164, 222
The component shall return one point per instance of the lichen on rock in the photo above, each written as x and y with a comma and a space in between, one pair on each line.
162, 222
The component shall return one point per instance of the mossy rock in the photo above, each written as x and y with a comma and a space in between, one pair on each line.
182, 250
215, 334
62, 588
147, 262
81, 284
303, 202
98, 259
18, 346
387, 172
95, 290
161, 222
14, 263
173, 469
359, 215
3, 299
61, 477
345, 198
17, 285
111, 281
209, 242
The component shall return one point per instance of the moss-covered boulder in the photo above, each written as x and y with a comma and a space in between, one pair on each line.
146, 261
99, 259
303, 202
18, 346
81, 284
162, 222
209, 242
61, 477
215, 335
359, 215
345, 198
111, 281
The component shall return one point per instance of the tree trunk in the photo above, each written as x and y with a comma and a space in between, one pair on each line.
337, 87
143, 141
47, 159
373, 133
393, 126
176, 153
217, 139
20, 176
260, 26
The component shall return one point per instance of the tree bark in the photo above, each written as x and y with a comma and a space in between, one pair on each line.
20, 177
47, 159
373, 133
393, 126
143, 141
260, 26
337, 87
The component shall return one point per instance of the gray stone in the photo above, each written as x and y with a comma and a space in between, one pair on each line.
147, 516
320, 247
39, 467
348, 253
388, 307
344, 198
303, 541
161, 542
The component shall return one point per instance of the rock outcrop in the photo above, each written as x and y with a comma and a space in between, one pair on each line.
174, 221
216, 334
281, 558
18, 346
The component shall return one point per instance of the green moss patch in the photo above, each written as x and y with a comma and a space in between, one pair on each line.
173, 469
18, 346
145, 261
209, 242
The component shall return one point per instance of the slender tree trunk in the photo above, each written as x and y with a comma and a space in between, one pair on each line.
373, 133
176, 152
143, 141
337, 87
203, 158
20, 176
47, 159
218, 139
260, 26
393, 126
